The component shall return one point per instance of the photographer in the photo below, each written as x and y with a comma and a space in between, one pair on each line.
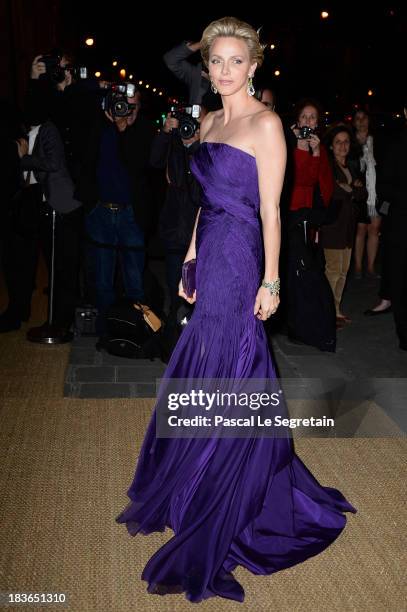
392, 188
67, 100
193, 75
46, 180
307, 193
115, 187
172, 149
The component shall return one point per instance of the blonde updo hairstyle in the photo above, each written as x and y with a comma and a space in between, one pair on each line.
230, 26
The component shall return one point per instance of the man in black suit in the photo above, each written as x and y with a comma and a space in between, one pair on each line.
66, 101
42, 161
392, 187
172, 153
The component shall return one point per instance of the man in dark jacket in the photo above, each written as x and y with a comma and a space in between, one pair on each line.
66, 101
42, 160
172, 152
193, 75
115, 187
392, 187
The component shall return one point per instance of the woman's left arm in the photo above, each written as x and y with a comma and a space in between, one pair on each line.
271, 156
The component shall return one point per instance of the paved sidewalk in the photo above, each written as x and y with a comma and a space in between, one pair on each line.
367, 365
368, 372
367, 347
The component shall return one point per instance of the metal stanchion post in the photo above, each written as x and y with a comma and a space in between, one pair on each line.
49, 333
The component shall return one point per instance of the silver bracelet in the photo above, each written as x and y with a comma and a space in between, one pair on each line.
274, 286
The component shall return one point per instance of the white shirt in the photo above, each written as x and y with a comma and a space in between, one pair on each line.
32, 135
368, 163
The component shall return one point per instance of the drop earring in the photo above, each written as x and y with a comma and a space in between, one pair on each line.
250, 89
215, 91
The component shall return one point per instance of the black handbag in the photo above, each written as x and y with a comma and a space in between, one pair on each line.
130, 331
25, 209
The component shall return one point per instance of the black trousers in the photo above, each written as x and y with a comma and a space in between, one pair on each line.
397, 253
385, 271
20, 260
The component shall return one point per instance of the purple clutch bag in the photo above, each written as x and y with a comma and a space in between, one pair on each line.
188, 277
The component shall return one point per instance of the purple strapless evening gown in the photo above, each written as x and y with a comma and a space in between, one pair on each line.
229, 501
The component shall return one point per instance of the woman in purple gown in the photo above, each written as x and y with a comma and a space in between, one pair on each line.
230, 501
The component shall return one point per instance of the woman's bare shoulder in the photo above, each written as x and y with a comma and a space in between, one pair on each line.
266, 120
268, 140
266, 126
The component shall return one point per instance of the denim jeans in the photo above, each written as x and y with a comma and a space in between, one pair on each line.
118, 230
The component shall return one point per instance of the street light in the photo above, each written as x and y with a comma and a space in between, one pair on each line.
122, 73
277, 73
370, 92
97, 74
90, 42
324, 15
114, 63
272, 46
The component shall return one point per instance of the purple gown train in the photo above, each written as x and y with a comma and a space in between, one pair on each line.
229, 501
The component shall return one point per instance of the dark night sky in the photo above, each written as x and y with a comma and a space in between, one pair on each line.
360, 46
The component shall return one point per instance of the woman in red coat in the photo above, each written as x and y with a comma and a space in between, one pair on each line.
311, 164
309, 187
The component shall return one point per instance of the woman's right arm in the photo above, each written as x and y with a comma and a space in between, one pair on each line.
191, 253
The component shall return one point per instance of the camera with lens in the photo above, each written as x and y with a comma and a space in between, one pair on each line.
115, 99
56, 72
53, 69
305, 132
78, 72
188, 119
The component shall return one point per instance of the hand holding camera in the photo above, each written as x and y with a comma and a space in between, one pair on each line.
188, 120
57, 69
37, 67
305, 132
115, 100
306, 138
314, 143
120, 122
171, 123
